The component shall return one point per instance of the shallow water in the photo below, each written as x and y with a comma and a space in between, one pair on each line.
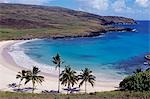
114, 54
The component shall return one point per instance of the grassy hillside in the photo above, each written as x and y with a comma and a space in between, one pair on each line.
29, 21
99, 95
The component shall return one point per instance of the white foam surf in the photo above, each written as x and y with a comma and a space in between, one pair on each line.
22, 60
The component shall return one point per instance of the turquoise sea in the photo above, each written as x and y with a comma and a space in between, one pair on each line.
115, 54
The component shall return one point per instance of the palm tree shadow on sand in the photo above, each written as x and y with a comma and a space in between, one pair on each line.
72, 90
14, 87
50, 92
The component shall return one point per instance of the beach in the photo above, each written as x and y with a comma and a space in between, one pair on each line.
9, 69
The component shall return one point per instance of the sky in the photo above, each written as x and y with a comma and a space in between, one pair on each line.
136, 9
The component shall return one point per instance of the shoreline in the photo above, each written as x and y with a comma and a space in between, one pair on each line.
7, 56
97, 33
11, 68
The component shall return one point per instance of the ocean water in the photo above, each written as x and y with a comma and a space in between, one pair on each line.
115, 54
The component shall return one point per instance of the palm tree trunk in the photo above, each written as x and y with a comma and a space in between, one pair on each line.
59, 80
33, 87
19, 84
85, 86
68, 88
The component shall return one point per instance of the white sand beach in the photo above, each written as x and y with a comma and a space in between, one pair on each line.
9, 69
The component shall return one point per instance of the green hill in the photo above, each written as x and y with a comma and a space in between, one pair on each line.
18, 21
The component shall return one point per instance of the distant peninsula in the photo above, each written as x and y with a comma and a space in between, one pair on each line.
18, 21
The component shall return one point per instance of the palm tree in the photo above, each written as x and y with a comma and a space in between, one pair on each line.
68, 77
57, 61
21, 75
34, 77
147, 69
137, 71
86, 76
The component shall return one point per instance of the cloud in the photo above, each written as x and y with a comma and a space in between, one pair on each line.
119, 6
100, 5
130, 8
4, 1
36, 2
143, 3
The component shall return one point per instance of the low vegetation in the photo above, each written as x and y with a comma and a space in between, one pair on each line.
98, 95
139, 81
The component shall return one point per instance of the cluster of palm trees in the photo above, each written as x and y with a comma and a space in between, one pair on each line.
69, 77
30, 75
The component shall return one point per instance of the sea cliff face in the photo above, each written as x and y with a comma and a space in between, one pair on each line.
19, 21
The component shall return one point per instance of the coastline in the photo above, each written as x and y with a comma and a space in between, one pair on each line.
9, 68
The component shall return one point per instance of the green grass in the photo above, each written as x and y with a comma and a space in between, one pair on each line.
61, 31
98, 95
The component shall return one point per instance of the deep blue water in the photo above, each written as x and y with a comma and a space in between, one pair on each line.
117, 52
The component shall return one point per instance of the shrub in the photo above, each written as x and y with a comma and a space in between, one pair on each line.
137, 82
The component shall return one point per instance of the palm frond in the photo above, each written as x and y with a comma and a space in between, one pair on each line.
68, 77
86, 76
27, 80
81, 83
